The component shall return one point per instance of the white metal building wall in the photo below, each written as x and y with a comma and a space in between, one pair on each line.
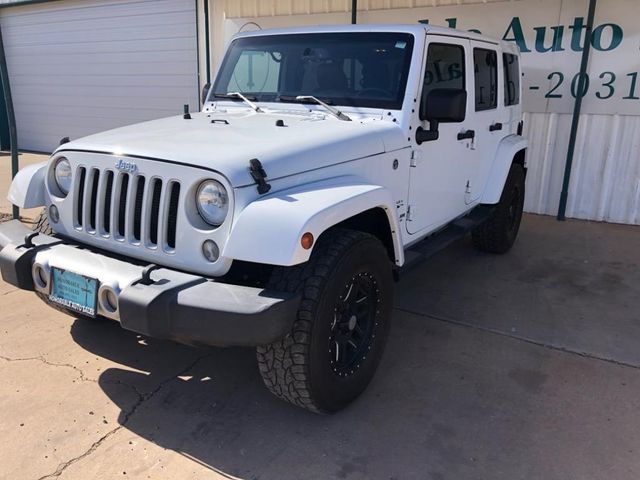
260, 8
82, 66
605, 180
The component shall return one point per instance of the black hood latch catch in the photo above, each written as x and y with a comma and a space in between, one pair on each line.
259, 175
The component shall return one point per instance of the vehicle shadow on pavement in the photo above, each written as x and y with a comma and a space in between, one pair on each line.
211, 406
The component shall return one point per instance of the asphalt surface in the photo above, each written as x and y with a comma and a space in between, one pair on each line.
523, 366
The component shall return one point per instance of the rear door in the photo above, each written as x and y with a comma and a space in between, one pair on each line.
490, 119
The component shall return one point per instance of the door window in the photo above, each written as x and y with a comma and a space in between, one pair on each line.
511, 79
486, 78
444, 69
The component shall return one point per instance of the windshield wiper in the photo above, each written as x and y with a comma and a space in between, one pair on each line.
311, 99
240, 96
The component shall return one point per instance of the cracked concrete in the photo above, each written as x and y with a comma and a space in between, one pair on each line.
124, 417
53, 416
524, 366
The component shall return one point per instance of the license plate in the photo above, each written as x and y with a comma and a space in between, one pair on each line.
76, 292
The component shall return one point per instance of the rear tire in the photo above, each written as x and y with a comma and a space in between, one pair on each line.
498, 233
342, 324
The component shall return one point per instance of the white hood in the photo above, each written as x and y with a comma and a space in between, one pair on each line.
226, 140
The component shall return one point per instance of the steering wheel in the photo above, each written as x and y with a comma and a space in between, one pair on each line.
374, 91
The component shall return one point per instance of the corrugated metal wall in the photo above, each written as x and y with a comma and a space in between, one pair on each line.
262, 8
605, 179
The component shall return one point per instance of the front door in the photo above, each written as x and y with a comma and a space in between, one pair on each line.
442, 168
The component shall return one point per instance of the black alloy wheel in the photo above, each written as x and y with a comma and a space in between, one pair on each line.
354, 324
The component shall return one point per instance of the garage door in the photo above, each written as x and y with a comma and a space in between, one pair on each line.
80, 67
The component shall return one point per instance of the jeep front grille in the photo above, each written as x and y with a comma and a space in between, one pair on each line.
127, 207
139, 208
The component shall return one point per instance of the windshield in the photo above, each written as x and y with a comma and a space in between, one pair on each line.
360, 69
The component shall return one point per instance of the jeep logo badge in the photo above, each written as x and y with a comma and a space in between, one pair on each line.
125, 166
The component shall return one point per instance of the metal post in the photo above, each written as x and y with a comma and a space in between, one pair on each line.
577, 106
207, 47
354, 11
11, 117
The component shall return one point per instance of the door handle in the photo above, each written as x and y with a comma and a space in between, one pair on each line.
495, 126
467, 134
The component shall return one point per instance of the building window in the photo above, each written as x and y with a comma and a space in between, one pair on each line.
444, 69
511, 79
486, 77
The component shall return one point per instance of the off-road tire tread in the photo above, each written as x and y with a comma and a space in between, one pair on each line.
491, 236
41, 224
283, 364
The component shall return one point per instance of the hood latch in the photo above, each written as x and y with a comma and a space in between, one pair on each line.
257, 172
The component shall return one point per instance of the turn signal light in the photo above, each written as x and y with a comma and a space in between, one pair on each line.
307, 240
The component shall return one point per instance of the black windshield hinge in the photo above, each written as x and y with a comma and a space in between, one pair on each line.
259, 175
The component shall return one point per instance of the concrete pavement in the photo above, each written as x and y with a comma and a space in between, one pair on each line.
522, 366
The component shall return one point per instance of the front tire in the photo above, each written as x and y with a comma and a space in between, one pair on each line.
498, 233
41, 224
342, 324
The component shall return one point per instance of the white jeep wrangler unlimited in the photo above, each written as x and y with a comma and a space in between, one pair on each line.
323, 161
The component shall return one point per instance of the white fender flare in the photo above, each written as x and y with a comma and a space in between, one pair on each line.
27, 188
269, 229
507, 150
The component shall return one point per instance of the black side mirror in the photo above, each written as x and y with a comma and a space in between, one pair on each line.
205, 91
442, 105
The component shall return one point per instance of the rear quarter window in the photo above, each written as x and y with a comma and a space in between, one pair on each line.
511, 79
485, 64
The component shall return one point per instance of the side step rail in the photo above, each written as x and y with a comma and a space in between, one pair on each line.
441, 239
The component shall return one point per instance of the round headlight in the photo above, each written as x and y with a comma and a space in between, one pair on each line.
212, 202
62, 175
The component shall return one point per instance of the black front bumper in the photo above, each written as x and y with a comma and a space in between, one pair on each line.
169, 304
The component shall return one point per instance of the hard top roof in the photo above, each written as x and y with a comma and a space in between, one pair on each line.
415, 29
